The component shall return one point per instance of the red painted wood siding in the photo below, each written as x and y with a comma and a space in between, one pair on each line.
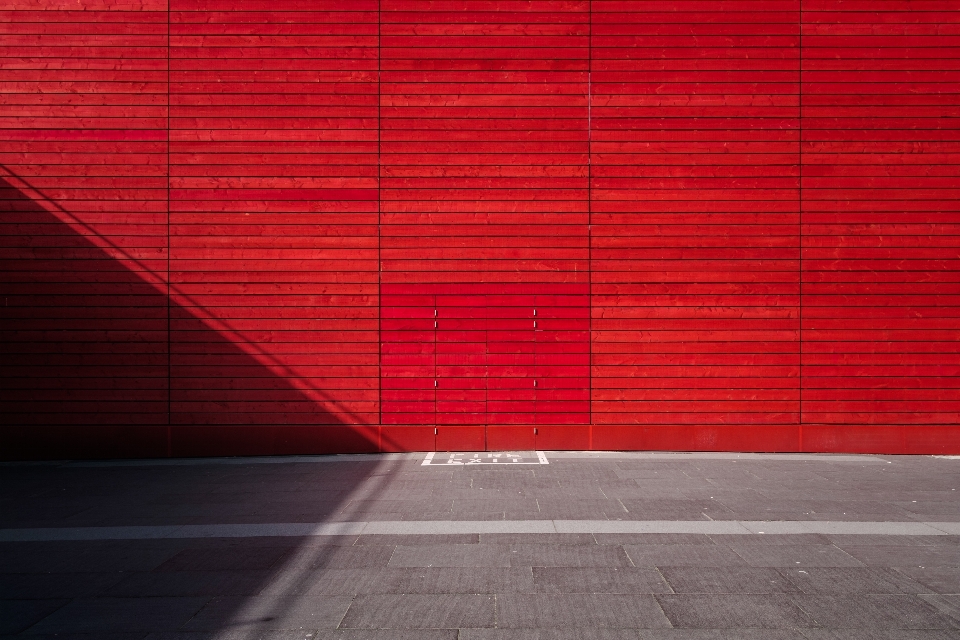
881, 220
273, 215
276, 227
484, 249
695, 198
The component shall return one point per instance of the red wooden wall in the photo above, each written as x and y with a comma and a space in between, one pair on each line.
880, 266
275, 227
273, 222
696, 212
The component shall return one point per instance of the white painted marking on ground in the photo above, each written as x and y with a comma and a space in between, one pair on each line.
426, 461
502, 458
439, 527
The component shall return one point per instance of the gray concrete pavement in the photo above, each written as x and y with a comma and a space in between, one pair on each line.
609, 545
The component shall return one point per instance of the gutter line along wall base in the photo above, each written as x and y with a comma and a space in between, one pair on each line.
274, 228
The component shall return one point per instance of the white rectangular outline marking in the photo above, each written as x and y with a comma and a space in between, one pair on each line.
428, 459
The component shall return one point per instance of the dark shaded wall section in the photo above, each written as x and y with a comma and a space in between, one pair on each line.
84, 231
252, 228
188, 229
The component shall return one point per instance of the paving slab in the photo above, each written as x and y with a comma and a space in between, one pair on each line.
294, 581
558, 555
794, 555
933, 578
594, 611
39, 586
416, 611
729, 611
729, 580
599, 580
451, 555
722, 634
261, 613
549, 634
190, 583
850, 580
381, 634
873, 611
889, 555
229, 559
879, 634
115, 615
18, 615
456, 580
948, 605
683, 555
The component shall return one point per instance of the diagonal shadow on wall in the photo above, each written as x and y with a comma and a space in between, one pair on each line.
88, 356
85, 373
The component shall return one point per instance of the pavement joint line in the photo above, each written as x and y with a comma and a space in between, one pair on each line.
446, 527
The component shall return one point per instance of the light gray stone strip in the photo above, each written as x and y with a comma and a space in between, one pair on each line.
66, 534
949, 528
270, 530
709, 527
845, 528
463, 526
438, 527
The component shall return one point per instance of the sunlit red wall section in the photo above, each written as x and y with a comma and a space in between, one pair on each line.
249, 227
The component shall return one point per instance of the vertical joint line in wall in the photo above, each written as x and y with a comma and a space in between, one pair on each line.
169, 340
379, 262
590, 219
800, 221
